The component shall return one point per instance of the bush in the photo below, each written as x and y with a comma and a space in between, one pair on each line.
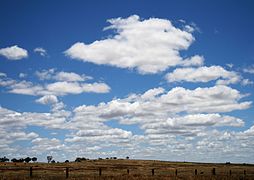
4, 159
27, 159
34, 159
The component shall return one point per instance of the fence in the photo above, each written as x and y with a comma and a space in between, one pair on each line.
101, 171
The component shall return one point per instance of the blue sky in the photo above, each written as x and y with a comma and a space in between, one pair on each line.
148, 79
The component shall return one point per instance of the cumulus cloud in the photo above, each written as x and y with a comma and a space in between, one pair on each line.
41, 51
63, 88
150, 45
204, 74
57, 88
14, 53
51, 74
45, 74
66, 83
193, 61
174, 122
155, 104
48, 99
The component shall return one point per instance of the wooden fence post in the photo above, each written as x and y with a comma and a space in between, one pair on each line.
176, 172
152, 171
230, 172
213, 171
99, 171
67, 172
31, 171
128, 171
196, 171
244, 172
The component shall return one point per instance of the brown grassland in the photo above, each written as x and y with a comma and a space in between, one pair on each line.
125, 169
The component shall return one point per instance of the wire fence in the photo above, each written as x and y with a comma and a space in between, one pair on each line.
79, 172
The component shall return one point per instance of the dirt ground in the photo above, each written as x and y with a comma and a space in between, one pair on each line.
125, 169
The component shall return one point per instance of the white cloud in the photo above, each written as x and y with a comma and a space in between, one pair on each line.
157, 105
150, 45
22, 75
14, 53
230, 65
3, 74
193, 61
63, 88
174, 123
45, 74
51, 74
47, 99
246, 82
204, 74
70, 76
40, 51
249, 69
67, 83
57, 88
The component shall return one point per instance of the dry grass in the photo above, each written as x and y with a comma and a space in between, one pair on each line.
117, 169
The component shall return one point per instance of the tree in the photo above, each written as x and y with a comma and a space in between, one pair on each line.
20, 160
127, 157
49, 158
4, 159
67, 161
14, 160
78, 159
27, 159
53, 161
34, 159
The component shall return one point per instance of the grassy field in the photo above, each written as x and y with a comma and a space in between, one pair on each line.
125, 169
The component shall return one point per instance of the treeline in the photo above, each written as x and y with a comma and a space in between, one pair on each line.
79, 159
49, 158
27, 159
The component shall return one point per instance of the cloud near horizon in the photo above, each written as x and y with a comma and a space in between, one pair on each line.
157, 112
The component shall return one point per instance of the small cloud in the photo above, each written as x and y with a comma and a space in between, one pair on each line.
47, 99
182, 21
51, 74
41, 51
14, 53
195, 27
216, 31
249, 69
230, 65
246, 82
3, 74
204, 74
22, 75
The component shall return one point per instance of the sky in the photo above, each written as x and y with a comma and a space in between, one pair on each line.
166, 80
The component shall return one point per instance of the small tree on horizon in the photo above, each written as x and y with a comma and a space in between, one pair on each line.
34, 159
4, 159
27, 159
13, 160
49, 158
